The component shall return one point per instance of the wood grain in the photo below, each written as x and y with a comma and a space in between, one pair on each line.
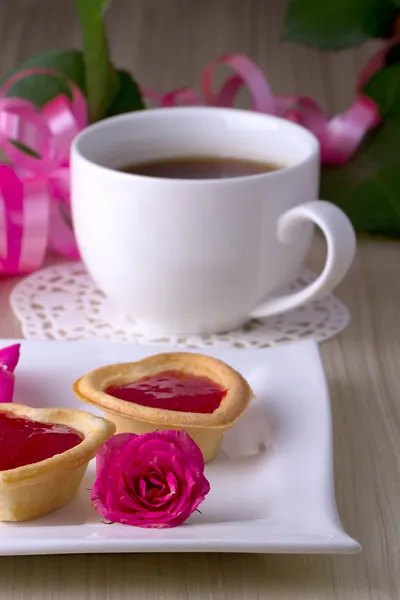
166, 44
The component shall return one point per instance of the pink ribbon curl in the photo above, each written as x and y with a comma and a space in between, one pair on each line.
339, 136
34, 185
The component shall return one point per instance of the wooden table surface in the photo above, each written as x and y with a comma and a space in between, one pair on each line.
167, 43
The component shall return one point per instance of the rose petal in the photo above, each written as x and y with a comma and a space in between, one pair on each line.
109, 452
142, 487
120, 499
125, 518
129, 498
162, 460
181, 503
164, 495
99, 501
134, 455
184, 508
156, 491
180, 439
188, 447
193, 495
132, 476
159, 507
152, 496
151, 491
178, 463
172, 482
156, 479
151, 448
152, 501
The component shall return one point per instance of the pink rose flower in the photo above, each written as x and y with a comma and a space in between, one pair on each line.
150, 480
8, 361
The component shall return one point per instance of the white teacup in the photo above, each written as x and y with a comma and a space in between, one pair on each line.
200, 256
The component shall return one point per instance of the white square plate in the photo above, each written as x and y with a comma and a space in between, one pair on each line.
271, 484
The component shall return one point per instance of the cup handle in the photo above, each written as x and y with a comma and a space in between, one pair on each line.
341, 247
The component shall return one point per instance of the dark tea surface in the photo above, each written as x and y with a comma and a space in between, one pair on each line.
200, 167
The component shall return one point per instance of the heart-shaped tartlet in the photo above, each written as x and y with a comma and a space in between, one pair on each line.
178, 390
44, 453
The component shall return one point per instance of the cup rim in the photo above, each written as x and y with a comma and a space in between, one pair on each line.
147, 113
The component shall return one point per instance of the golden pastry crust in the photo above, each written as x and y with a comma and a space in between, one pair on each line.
90, 388
38, 488
205, 429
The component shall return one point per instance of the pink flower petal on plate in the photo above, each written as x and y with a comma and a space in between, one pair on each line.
9, 357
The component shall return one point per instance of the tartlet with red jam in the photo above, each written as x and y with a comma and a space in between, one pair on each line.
178, 390
44, 453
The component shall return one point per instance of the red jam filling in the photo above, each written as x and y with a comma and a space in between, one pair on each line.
24, 441
172, 390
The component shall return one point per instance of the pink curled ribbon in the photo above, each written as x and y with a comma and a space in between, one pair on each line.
8, 361
34, 186
339, 136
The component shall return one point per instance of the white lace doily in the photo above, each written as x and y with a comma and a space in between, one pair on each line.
62, 303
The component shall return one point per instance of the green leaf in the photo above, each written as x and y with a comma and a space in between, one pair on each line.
101, 77
368, 188
128, 98
393, 55
25, 149
42, 88
336, 24
384, 88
